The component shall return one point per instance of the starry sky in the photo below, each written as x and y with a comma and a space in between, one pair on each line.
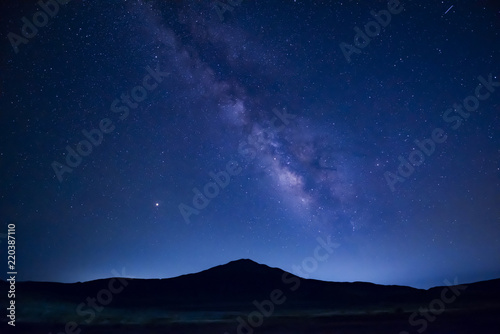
158, 138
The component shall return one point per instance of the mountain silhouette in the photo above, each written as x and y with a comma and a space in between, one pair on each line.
238, 283
240, 286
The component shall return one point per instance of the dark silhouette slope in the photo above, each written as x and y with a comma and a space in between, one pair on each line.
235, 285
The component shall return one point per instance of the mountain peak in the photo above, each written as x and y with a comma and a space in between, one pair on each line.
244, 262
244, 267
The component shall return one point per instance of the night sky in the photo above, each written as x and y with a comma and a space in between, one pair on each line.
159, 138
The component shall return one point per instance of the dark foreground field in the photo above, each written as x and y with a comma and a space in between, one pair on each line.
457, 322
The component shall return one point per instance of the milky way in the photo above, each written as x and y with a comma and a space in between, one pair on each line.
249, 136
